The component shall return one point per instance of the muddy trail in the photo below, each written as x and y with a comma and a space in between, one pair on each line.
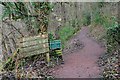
80, 62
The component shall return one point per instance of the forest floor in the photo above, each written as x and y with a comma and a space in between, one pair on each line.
80, 62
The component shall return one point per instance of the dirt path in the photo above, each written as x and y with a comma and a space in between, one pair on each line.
83, 62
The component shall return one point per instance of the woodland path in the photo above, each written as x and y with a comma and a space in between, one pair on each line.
83, 62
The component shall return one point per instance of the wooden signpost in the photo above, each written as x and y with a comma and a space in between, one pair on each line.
55, 44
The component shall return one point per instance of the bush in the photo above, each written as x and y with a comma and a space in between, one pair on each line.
113, 36
113, 30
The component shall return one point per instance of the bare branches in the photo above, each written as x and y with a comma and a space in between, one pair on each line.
10, 24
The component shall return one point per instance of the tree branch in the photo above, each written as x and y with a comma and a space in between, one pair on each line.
13, 27
19, 10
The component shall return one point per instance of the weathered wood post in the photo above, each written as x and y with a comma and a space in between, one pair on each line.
1, 55
47, 54
48, 58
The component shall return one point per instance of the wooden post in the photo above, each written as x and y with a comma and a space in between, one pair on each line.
1, 53
48, 58
17, 59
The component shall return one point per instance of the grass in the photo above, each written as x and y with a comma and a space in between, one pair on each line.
65, 34
68, 30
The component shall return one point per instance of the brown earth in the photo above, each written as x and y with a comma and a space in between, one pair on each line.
82, 62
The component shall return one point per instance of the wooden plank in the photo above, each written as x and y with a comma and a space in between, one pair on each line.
41, 51
32, 48
32, 38
33, 43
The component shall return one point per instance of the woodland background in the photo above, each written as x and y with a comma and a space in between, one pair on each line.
62, 19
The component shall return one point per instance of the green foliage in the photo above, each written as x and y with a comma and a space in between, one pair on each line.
86, 20
110, 24
9, 64
98, 19
51, 37
68, 30
75, 23
113, 36
65, 33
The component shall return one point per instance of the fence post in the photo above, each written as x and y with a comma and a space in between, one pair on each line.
48, 58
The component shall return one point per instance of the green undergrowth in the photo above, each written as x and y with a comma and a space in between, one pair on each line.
112, 38
112, 28
86, 19
67, 31
105, 27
